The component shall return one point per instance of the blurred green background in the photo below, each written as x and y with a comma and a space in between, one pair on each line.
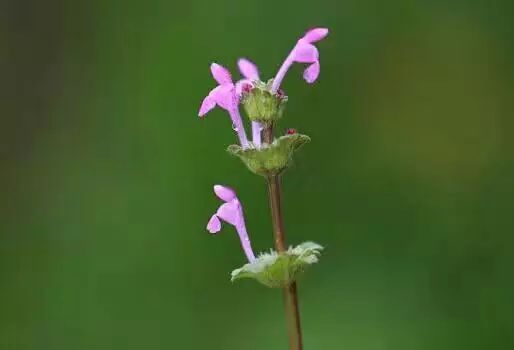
106, 175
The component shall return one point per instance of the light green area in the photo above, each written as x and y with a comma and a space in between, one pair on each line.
279, 270
261, 105
270, 159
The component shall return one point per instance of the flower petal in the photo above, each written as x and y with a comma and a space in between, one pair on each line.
315, 34
221, 74
208, 103
224, 193
305, 52
311, 73
224, 95
214, 224
248, 69
230, 212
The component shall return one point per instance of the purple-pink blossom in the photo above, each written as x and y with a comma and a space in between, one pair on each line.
224, 95
250, 72
231, 212
303, 52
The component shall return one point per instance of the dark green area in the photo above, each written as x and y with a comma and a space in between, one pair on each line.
106, 175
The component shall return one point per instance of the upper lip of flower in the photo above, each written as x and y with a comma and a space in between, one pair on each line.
248, 69
250, 72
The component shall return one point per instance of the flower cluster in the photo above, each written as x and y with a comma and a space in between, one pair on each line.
228, 95
263, 103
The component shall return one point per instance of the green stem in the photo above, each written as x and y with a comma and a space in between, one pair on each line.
290, 292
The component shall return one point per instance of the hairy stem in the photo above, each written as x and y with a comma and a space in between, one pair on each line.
290, 292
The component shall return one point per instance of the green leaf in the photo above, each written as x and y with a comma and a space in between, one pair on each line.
277, 270
270, 159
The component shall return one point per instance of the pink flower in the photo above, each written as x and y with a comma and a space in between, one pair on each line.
231, 212
303, 52
224, 95
251, 74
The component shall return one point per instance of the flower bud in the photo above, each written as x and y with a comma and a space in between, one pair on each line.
261, 105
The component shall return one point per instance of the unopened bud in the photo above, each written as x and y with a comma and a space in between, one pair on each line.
261, 105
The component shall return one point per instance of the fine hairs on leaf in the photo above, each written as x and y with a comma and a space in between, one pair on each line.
276, 270
270, 159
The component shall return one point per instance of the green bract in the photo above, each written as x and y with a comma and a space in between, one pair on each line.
261, 105
269, 160
278, 270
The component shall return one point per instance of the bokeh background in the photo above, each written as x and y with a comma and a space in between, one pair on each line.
106, 175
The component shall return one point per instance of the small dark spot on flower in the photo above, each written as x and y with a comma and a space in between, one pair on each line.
291, 131
247, 88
